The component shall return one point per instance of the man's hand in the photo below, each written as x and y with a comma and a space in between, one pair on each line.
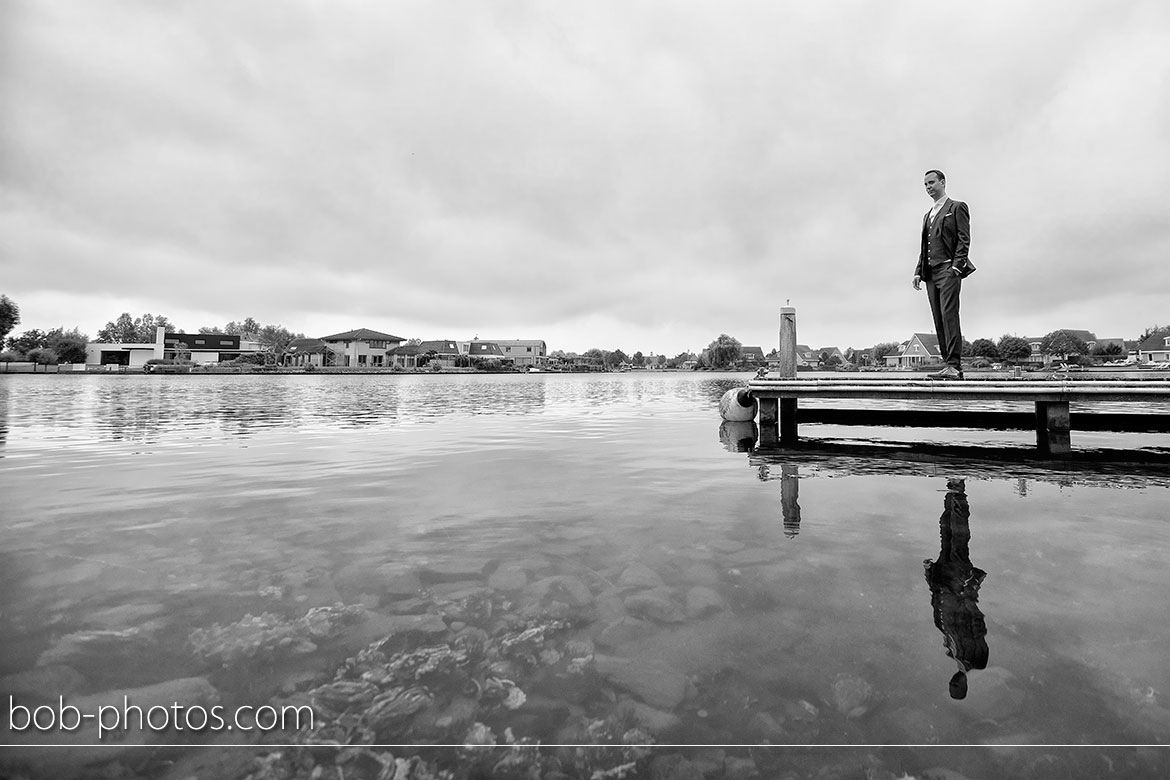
917, 282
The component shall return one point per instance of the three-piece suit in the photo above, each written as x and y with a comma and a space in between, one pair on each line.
943, 263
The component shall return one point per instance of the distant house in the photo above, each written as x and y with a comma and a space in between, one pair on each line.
404, 356
485, 350
922, 348
312, 352
445, 352
197, 347
825, 353
1040, 356
1155, 348
362, 347
526, 352
751, 357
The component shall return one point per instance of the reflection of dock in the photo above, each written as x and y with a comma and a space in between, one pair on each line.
1119, 469
780, 414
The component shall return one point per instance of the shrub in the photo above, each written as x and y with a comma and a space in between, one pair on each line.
42, 355
8, 356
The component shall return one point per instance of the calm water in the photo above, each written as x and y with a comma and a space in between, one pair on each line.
730, 598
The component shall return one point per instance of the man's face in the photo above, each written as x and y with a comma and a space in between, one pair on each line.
935, 187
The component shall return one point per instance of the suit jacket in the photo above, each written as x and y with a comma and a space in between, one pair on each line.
951, 229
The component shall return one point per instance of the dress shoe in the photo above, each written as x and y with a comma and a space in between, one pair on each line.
949, 372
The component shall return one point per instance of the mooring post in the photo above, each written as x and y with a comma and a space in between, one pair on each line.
788, 432
1053, 428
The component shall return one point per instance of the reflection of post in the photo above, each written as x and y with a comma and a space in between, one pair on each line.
789, 493
787, 409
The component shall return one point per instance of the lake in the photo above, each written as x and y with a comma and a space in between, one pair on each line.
543, 560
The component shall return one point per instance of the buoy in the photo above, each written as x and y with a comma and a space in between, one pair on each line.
738, 405
738, 436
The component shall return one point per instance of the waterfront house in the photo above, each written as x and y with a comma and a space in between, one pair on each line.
752, 357
311, 352
921, 349
525, 352
442, 352
484, 350
1155, 348
196, 347
404, 356
362, 347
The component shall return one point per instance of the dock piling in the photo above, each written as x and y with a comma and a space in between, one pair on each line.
1053, 428
787, 410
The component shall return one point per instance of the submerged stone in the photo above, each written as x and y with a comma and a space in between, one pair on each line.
655, 683
623, 630
703, 601
639, 575
656, 605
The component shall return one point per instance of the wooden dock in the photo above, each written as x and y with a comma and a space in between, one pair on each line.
780, 413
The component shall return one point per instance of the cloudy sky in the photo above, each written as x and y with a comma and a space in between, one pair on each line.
634, 175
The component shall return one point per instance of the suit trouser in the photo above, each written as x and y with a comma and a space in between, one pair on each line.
943, 292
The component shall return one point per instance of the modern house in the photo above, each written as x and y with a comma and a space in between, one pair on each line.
362, 347
197, 347
922, 348
526, 352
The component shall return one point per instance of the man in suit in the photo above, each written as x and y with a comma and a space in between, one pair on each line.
943, 263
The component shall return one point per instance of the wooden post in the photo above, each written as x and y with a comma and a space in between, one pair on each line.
788, 432
769, 414
1053, 428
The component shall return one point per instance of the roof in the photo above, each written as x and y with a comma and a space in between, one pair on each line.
306, 346
484, 349
518, 342
928, 340
405, 349
756, 352
362, 334
1154, 341
439, 347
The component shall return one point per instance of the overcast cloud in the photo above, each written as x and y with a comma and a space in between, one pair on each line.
634, 175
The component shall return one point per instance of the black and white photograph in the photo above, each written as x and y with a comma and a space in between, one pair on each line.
583, 390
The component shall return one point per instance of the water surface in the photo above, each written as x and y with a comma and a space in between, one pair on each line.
826, 598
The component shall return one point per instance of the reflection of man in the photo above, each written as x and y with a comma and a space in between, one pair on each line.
954, 589
943, 263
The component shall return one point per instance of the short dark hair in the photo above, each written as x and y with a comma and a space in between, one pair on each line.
941, 176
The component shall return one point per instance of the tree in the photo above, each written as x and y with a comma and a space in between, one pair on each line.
984, 348
723, 352
1013, 348
616, 358
966, 349
9, 316
248, 329
1063, 343
212, 329
26, 342
879, 351
1112, 349
69, 345
140, 330
276, 338
639, 359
